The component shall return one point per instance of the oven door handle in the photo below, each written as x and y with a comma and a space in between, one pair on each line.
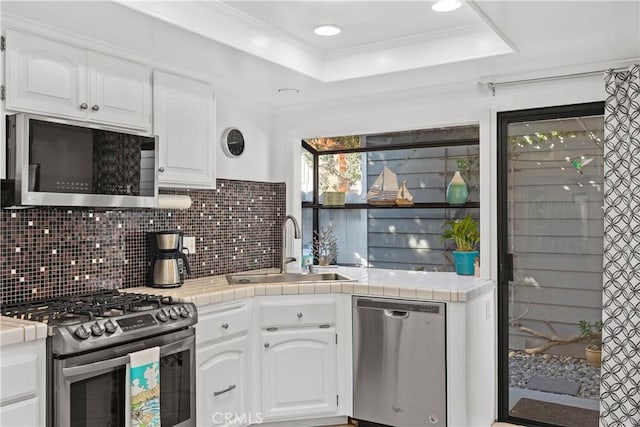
95, 367
106, 365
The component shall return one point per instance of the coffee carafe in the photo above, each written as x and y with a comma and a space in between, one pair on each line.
167, 263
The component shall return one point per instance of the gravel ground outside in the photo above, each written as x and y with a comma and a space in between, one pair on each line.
523, 367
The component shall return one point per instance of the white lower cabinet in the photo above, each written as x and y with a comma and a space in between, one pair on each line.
25, 413
300, 358
222, 365
222, 383
299, 372
23, 384
274, 359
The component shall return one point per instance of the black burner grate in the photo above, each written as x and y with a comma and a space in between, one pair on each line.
80, 308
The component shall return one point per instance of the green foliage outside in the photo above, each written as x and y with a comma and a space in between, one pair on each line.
592, 333
331, 177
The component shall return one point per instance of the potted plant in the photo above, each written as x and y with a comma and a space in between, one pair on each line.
592, 334
466, 236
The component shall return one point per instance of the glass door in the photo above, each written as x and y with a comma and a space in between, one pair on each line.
550, 243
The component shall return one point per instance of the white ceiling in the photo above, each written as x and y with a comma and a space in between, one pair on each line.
378, 37
252, 48
362, 22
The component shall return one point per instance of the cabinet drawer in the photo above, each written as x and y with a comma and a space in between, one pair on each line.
221, 323
21, 414
18, 379
308, 313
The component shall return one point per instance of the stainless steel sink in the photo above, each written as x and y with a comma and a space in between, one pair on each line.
247, 279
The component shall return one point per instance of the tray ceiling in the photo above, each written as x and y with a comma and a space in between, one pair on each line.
249, 51
377, 37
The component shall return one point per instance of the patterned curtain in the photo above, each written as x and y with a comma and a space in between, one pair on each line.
620, 384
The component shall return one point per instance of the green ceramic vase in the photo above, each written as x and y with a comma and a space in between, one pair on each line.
457, 191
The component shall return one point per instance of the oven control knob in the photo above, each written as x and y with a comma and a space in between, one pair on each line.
82, 332
162, 315
183, 311
97, 329
110, 326
173, 313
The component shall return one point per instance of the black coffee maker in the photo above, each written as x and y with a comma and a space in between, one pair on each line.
166, 261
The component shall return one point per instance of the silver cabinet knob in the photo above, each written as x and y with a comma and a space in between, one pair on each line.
161, 169
95, 107
266, 345
299, 315
84, 106
225, 326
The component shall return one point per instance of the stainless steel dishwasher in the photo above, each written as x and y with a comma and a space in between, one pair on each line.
399, 362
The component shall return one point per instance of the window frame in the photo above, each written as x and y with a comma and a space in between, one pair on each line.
315, 205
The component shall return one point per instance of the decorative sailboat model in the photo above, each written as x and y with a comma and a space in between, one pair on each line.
385, 191
404, 198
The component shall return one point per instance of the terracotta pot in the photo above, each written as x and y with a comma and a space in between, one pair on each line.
594, 356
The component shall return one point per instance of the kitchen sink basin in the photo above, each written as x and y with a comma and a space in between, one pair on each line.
247, 279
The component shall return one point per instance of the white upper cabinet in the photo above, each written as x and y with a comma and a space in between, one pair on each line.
47, 77
43, 76
119, 91
184, 120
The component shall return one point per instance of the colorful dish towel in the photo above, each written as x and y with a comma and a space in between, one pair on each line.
144, 374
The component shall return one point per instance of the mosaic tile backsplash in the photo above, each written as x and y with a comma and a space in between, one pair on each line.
51, 251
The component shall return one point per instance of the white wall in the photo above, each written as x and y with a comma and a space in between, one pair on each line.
255, 122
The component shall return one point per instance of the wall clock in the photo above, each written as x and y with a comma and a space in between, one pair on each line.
233, 142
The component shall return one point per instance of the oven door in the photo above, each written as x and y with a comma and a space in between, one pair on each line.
92, 389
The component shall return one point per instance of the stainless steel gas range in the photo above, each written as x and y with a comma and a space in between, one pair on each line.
90, 339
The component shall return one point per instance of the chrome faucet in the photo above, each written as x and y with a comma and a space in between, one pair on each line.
297, 235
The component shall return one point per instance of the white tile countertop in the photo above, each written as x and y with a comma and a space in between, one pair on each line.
420, 285
13, 331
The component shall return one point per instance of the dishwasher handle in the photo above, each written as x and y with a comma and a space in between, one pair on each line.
396, 314
398, 308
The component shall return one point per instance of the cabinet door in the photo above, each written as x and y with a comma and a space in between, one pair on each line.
184, 121
45, 77
299, 375
23, 384
222, 389
119, 92
25, 413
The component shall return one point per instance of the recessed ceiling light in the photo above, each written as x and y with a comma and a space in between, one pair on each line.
327, 30
288, 90
446, 5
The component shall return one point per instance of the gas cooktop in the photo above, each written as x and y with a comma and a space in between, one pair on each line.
84, 322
